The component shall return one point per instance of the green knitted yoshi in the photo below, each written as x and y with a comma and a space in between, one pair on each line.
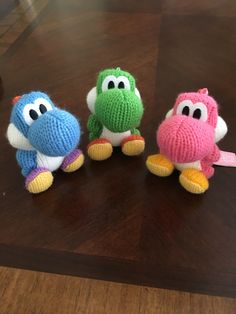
117, 109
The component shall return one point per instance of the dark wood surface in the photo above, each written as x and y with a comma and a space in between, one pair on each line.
113, 220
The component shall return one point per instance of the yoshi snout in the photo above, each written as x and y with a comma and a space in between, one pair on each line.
54, 133
119, 110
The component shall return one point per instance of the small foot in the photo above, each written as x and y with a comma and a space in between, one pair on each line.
73, 161
159, 165
194, 181
100, 149
39, 180
133, 145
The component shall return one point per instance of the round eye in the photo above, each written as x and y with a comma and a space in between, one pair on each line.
42, 108
43, 105
123, 82
121, 85
33, 114
200, 111
197, 113
184, 108
33, 111
109, 82
111, 85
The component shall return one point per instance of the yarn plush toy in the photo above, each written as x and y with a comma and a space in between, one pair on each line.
45, 137
117, 109
187, 140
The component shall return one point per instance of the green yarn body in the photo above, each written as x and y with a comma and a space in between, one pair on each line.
117, 106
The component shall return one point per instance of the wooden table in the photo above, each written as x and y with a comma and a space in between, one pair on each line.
113, 220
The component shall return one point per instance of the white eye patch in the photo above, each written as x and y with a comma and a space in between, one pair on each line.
197, 110
109, 82
31, 112
184, 108
43, 105
123, 82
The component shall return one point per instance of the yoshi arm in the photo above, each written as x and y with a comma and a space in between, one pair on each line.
117, 109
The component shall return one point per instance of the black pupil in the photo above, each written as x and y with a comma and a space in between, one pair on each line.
121, 85
197, 113
42, 108
111, 85
185, 110
33, 114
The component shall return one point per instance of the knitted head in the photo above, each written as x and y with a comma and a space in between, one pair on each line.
36, 123
116, 101
188, 134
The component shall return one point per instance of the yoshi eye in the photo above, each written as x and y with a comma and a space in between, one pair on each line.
200, 111
123, 82
109, 82
43, 105
33, 111
184, 108
197, 111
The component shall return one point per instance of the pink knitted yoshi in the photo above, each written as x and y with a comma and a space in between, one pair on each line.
187, 140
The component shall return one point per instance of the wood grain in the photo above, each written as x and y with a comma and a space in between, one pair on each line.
114, 220
34, 292
201, 7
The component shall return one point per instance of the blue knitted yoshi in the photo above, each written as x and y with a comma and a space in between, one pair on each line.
45, 137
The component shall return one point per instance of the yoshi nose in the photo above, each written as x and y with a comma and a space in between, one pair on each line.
185, 139
55, 133
119, 110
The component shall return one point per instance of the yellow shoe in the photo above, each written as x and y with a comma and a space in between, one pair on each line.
100, 149
133, 145
194, 181
159, 165
73, 161
39, 180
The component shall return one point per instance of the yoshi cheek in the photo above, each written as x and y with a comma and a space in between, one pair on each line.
119, 110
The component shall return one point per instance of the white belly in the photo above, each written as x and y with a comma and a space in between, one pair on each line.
114, 138
194, 165
50, 163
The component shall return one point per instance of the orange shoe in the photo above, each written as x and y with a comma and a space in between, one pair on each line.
133, 145
194, 181
100, 149
159, 165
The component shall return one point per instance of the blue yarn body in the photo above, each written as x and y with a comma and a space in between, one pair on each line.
54, 132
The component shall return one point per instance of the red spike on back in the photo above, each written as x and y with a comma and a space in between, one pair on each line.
15, 99
203, 91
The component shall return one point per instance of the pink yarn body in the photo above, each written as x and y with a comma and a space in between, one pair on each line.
185, 139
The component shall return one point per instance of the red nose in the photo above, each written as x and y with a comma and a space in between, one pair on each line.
185, 139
